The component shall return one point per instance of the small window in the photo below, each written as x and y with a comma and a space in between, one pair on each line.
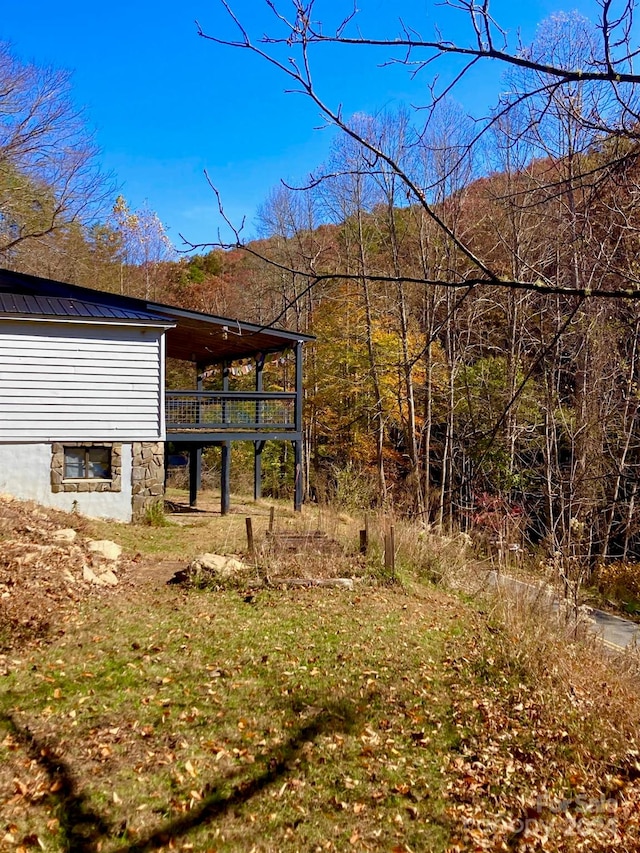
87, 463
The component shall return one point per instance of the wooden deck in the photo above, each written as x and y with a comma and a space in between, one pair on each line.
197, 416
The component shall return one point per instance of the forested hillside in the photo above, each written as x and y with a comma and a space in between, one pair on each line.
475, 405
476, 362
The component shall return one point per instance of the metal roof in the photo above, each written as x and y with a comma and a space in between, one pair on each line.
30, 305
199, 337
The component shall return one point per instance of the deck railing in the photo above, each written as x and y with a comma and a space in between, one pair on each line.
230, 411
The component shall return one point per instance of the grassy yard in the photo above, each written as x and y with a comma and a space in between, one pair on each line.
391, 718
295, 721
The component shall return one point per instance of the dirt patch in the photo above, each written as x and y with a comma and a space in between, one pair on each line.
153, 572
47, 568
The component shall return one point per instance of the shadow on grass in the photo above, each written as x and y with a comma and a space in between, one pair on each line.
84, 828
80, 825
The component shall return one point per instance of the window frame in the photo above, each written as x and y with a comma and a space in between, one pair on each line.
61, 483
87, 462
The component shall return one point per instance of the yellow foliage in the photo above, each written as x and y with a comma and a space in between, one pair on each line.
619, 579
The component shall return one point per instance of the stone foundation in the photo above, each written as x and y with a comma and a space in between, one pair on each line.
58, 482
147, 477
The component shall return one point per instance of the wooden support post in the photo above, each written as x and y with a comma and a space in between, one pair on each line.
392, 539
297, 445
166, 466
364, 536
195, 474
225, 478
272, 515
258, 447
364, 542
195, 453
250, 545
297, 500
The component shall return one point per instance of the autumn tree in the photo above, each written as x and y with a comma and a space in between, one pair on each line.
521, 276
143, 246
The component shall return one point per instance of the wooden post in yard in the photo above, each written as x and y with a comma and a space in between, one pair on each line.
272, 514
392, 540
390, 553
250, 544
364, 536
364, 542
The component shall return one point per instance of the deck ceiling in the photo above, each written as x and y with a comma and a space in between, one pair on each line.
197, 337
208, 339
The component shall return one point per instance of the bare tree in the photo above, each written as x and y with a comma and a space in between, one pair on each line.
607, 68
48, 171
551, 249
349, 194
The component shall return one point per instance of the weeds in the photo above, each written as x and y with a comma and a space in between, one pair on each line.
544, 722
154, 515
620, 581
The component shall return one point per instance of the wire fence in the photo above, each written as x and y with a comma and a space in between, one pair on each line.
210, 411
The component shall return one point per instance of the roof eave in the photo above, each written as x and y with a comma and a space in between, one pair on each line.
88, 321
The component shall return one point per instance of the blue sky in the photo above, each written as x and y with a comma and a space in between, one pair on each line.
166, 104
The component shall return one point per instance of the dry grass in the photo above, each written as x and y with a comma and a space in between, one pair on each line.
395, 717
619, 584
550, 721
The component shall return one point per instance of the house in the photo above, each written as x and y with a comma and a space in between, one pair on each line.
84, 414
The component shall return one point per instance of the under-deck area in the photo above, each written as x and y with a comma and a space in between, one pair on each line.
221, 409
196, 420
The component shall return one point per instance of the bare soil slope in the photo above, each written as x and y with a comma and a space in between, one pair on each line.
46, 568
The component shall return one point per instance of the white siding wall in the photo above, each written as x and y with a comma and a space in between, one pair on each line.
75, 382
25, 473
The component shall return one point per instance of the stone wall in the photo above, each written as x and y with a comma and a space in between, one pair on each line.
147, 477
